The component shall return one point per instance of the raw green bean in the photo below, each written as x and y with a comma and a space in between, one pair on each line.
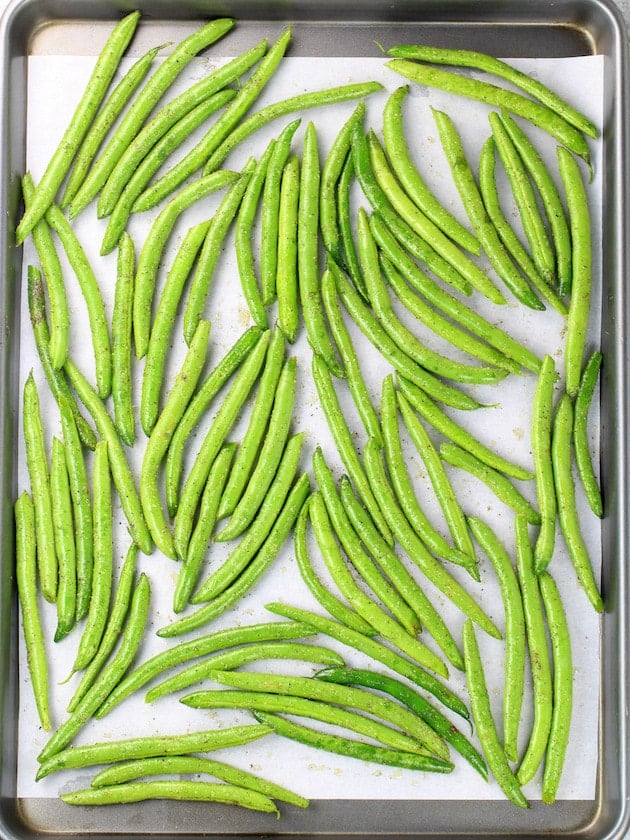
471, 198
198, 405
515, 640
221, 220
482, 714
286, 272
264, 558
186, 791
452, 430
88, 105
103, 560
153, 374
562, 687
142, 106
253, 441
375, 650
104, 120
271, 451
221, 129
500, 485
148, 747
37, 465
162, 434
113, 628
536, 113
246, 549
565, 498
538, 654
64, 541
349, 257
26, 577
542, 420
354, 749
109, 676
409, 176
416, 549
154, 244
191, 565
580, 433
121, 472
121, 340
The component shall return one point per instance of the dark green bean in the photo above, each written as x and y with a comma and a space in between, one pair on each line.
542, 421
580, 433
286, 273
121, 340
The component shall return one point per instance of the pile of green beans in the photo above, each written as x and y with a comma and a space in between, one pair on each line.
382, 271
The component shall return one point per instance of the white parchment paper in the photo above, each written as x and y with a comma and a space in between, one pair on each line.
55, 83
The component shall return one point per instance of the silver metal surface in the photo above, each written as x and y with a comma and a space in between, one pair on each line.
330, 27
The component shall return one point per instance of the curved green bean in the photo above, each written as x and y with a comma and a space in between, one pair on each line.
121, 340
580, 433
349, 257
61, 505
542, 420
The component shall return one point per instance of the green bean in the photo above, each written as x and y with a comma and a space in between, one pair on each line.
187, 791
55, 378
142, 106
565, 499
408, 175
537, 114
349, 256
354, 749
113, 628
191, 565
92, 296
406, 340
241, 656
87, 107
151, 746
254, 438
26, 577
515, 640
103, 560
471, 197
64, 541
286, 273
59, 337
161, 436
172, 112
154, 159
221, 129
333, 606
580, 437
562, 687
341, 695
243, 234
269, 213
489, 64
245, 550
121, 472
109, 676
500, 485
375, 650
373, 330
154, 244
121, 340
542, 420
482, 714
37, 465
426, 228
344, 441
264, 558
104, 120
348, 355
452, 430
193, 765
222, 218
155, 360
414, 701
550, 198
198, 405
402, 484
450, 305
416, 549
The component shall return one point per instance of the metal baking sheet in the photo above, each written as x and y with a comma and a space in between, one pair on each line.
497, 29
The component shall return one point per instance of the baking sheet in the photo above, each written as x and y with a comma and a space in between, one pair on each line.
317, 774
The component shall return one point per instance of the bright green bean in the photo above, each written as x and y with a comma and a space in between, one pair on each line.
64, 541
542, 420
286, 273
580, 433
121, 340
349, 256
